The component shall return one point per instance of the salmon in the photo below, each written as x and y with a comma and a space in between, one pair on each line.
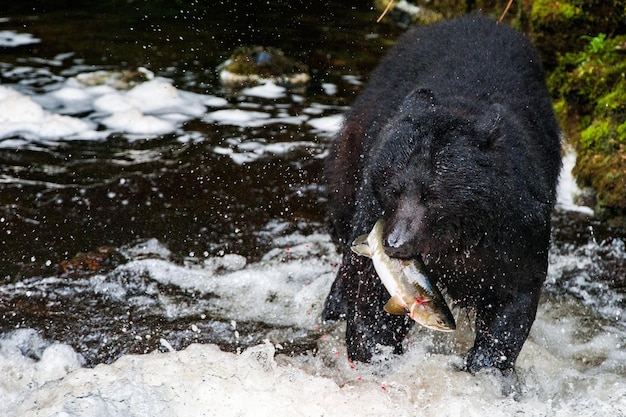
411, 291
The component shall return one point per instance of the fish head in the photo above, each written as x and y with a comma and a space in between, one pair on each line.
432, 314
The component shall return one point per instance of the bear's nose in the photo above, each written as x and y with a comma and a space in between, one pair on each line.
397, 238
397, 244
398, 252
403, 228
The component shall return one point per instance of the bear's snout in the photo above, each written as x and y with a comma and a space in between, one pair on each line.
403, 228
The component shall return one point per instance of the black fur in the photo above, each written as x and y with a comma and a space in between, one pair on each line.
454, 142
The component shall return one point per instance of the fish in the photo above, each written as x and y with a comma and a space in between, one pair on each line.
411, 291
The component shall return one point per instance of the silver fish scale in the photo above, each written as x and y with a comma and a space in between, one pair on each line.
416, 277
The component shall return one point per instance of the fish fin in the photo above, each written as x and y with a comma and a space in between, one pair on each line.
360, 240
396, 306
361, 247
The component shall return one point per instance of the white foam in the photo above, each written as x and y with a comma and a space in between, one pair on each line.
268, 90
17, 108
149, 248
147, 109
67, 100
352, 79
11, 39
242, 152
582, 266
113, 102
71, 94
567, 190
214, 383
28, 362
284, 148
561, 373
209, 100
134, 121
202, 380
12, 143
330, 88
150, 108
409, 8
159, 96
237, 117
21, 116
328, 124
242, 117
294, 290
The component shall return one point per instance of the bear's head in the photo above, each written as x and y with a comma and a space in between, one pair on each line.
438, 175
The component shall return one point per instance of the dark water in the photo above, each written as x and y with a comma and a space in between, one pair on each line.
192, 200
66, 205
68, 208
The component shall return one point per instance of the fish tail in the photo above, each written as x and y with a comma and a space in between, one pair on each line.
361, 247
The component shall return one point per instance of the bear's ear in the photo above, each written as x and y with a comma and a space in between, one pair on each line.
488, 125
421, 98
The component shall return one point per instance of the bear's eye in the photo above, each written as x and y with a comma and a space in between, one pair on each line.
395, 190
387, 195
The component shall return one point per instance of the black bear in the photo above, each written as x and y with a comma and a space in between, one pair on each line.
455, 144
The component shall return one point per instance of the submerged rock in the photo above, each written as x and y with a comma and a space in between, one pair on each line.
120, 80
253, 65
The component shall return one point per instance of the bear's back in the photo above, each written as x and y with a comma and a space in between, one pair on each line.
472, 57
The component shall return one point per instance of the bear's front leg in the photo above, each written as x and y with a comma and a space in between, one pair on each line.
368, 325
502, 326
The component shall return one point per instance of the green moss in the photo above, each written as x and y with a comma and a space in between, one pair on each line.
593, 80
550, 10
606, 173
562, 25
594, 76
591, 88
621, 131
614, 102
595, 134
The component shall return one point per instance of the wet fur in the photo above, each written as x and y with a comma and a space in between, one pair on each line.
455, 144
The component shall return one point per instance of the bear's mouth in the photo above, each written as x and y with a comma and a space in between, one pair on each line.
407, 252
403, 229
402, 252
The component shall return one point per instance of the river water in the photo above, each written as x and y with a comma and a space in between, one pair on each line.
147, 219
